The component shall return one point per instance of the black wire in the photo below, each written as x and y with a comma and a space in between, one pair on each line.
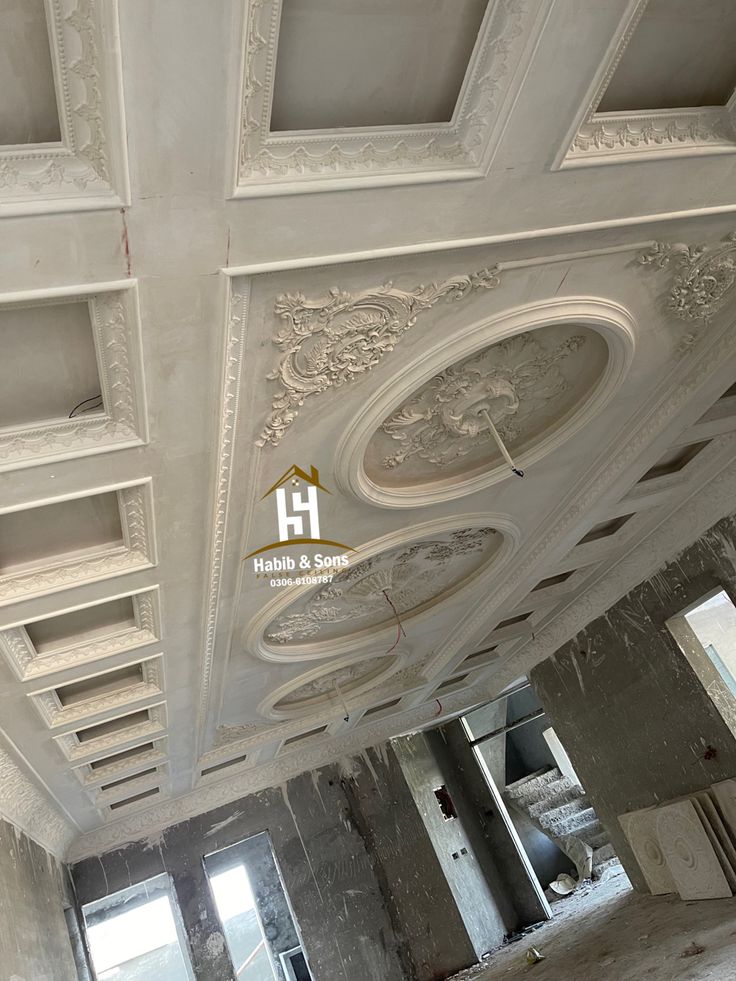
95, 398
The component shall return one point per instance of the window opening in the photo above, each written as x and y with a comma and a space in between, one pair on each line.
136, 934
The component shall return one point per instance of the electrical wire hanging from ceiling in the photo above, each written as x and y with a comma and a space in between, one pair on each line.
500, 443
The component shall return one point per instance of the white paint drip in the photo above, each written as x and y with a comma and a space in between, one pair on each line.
348, 768
578, 672
367, 760
285, 795
223, 824
315, 775
104, 875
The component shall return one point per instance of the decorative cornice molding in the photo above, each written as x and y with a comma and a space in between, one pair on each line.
25, 806
332, 341
705, 276
237, 324
236, 784
617, 133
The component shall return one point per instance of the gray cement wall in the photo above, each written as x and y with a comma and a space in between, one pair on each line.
34, 941
494, 845
433, 939
353, 854
484, 918
630, 708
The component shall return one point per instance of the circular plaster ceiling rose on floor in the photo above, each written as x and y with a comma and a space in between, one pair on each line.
400, 575
538, 373
329, 686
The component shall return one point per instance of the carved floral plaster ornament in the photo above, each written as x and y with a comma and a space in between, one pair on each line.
330, 342
705, 276
511, 381
335, 682
409, 575
332, 686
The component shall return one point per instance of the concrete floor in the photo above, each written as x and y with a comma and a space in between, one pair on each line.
610, 933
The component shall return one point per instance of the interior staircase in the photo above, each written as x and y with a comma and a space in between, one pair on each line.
560, 808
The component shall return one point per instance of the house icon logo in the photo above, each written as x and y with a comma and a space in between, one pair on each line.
290, 513
297, 512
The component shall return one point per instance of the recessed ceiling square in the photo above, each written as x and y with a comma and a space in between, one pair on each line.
28, 108
63, 530
49, 364
82, 626
681, 55
357, 63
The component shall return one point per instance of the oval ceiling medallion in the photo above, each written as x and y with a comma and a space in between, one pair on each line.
546, 371
317, 689
399, 581
529, 385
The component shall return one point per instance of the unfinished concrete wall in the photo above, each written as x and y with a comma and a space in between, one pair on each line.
494, 844
485, 918
630, 708
34, 941
433, 940
351, 850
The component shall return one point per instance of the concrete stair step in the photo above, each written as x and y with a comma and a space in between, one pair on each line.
599, 840
606, 870
532, 783
554, 815
593, 833
603, 855
565, 793
572, 824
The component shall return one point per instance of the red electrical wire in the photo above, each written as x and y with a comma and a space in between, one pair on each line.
399, 628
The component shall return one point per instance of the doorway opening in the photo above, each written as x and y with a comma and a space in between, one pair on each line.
538, 792
257, 919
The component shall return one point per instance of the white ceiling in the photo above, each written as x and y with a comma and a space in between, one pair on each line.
235, 297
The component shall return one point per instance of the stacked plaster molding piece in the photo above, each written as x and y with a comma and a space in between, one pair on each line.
687, 846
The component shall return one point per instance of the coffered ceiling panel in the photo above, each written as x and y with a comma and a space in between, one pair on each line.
28, 113
74, 374
62, 135
680, 55
666, 85
346, 64
387, 93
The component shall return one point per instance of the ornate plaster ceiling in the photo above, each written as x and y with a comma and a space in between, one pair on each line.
248, 259
393, 585
530, 385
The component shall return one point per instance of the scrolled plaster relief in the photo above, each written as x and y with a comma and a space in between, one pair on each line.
526, 383
396, 582
335, 340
